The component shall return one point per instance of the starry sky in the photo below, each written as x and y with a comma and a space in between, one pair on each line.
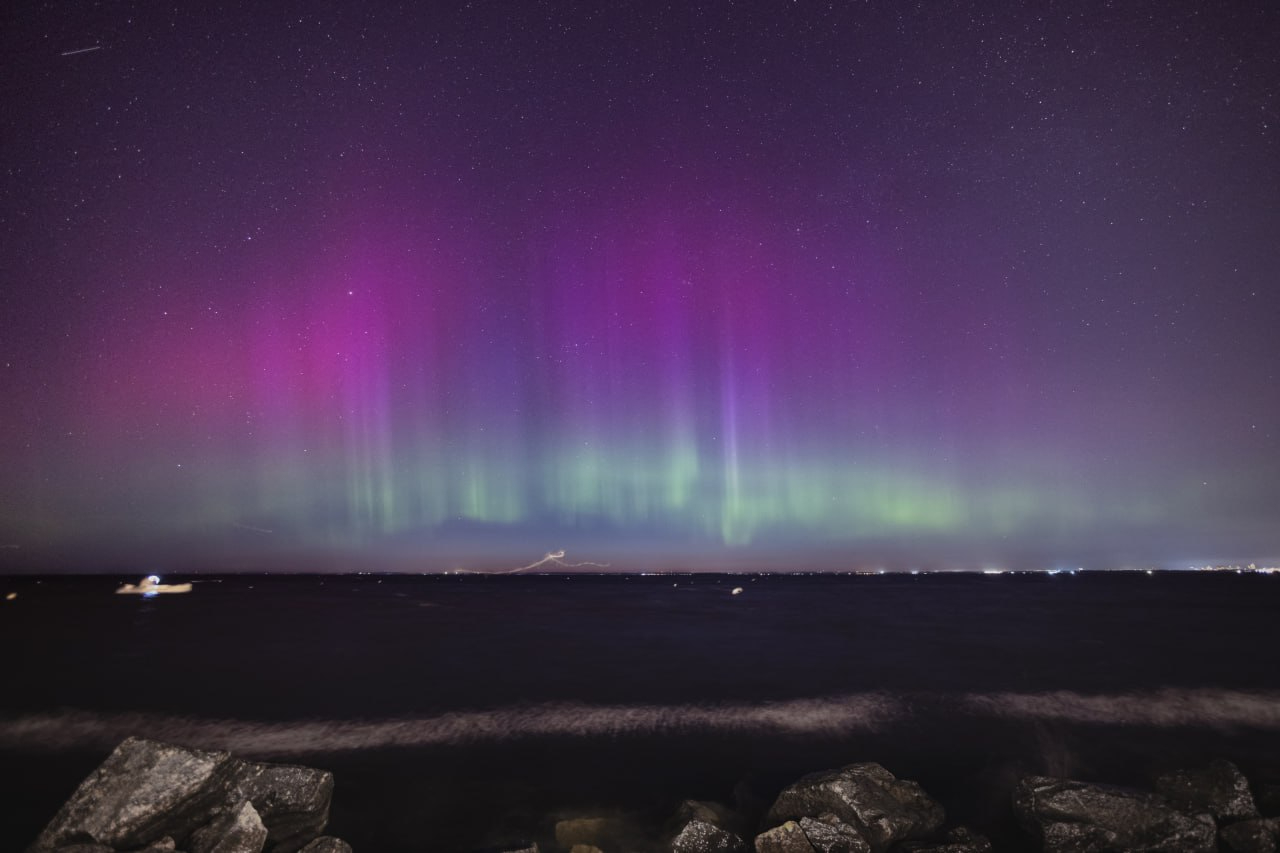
755, 284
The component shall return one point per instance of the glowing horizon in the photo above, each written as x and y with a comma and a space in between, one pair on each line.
836, 319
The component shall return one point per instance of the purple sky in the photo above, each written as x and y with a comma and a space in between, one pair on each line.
728, 285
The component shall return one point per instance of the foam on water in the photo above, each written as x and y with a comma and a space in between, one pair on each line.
831, 716
1168, 708
799, 717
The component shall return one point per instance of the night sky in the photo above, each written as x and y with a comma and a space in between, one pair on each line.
719, 285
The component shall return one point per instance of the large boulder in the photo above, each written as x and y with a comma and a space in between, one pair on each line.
1219, 789
1076, 817
699, 836
882, 808
237, 830
147, 790
292, 801
143, 790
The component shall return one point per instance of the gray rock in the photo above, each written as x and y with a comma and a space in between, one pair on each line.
146, 790
329, 844
958, 840
699, 836
238, 830
787, 838
1219, 789
88, 847
828, 834
1258, 835
1076, 817
142, 791
882, 808
292, 801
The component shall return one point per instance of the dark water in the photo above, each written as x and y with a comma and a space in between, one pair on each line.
471, 711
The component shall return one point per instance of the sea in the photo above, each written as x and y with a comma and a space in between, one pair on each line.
472, 712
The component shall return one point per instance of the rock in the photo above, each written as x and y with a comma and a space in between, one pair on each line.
705, 826
882, 808
829, 834
292, 801
699, 836
1076, 817
531, 848
584, 848
329, 844
715, 814
86, 848
1258, 835
958, 840
1219, 789
146, 790
142, 791
239, 830
788, 838
603, 832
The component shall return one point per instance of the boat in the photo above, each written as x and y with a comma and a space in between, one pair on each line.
150, 585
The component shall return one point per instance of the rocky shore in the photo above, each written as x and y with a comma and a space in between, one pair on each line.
152, 797
157, 797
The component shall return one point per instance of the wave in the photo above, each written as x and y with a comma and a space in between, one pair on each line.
796, 717
1166, 708
830, 716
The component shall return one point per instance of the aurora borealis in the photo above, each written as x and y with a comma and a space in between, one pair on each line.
761, 285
